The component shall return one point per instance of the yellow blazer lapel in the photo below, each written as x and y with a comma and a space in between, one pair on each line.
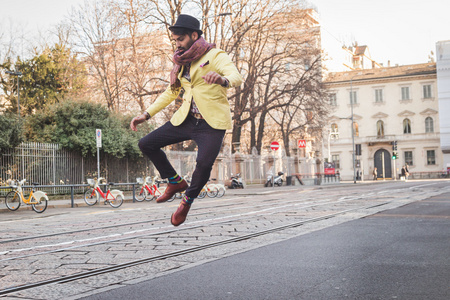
180, 74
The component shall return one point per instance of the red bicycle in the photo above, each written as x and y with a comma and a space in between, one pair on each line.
150, 189
111, 197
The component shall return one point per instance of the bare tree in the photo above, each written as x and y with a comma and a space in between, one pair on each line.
244, 39
163, 13
274, 45
303, 103
98, 34
304, 107
126, 46
147, 53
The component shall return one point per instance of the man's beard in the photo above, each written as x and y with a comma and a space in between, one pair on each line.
181, 50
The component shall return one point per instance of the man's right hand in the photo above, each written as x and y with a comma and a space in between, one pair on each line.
136, 121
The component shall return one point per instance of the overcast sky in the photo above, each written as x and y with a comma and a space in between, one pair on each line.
402, 31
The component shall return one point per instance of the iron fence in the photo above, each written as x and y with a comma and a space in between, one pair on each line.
51, 165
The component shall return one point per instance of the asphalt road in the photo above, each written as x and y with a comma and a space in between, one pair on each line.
402, 253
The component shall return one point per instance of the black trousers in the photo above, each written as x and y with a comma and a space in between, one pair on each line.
209, 142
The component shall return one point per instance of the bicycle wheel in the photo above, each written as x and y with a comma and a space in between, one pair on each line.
116, 202
141, 195
12, 200
149, 196
202, 194
221, 192
90, 196
212, 191
41, 206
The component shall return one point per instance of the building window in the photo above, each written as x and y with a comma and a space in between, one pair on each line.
431, 157
406, 126
380, 128
333, 100
429, 125
355, 129
379, 96
353, 97
408, 158
427, 91
335, 160
405, 93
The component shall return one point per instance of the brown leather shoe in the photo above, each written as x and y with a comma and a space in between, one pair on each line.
171, 190
179, 216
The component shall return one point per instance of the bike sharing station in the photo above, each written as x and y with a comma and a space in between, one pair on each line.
92, 195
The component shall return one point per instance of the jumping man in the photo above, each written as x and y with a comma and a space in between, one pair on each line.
205, 73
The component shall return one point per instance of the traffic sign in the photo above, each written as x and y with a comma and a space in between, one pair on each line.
301, 143
275, 146
98, 134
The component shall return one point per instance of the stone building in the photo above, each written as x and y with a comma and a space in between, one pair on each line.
390, 107
443, 74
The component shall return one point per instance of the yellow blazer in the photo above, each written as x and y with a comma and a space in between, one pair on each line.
211, 99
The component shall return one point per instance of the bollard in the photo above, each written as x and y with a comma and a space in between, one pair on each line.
72, 201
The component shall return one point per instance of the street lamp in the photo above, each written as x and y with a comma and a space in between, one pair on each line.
219, 15
16, 73
353, 129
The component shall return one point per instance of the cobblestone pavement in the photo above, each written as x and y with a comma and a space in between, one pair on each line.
65, 241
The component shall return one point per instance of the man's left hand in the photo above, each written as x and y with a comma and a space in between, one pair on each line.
214, 78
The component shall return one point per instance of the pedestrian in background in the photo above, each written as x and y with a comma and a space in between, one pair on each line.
375, 174
204, 73
403, 172
406, 171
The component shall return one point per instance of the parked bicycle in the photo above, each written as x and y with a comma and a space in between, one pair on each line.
211, 190
221, 190
37, 199
111, 197
150, 189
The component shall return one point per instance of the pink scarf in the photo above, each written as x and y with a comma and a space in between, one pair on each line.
197, 50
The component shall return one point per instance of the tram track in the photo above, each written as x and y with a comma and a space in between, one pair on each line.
117, 267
